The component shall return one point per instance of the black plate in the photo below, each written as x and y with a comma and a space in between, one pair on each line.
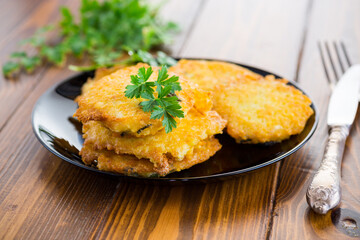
61, 134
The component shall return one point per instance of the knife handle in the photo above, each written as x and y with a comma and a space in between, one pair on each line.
324, 192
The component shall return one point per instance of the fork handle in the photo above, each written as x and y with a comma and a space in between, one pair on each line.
324, 192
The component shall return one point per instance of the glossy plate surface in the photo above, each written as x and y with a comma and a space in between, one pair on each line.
60, 133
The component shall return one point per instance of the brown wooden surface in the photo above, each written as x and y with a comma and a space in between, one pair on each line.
43, 197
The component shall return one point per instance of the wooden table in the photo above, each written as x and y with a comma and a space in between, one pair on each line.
44, 197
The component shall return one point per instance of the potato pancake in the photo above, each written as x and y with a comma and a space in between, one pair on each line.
99, 73
104, 100
132, 166
161, 147
257, 109
266, 110
210, 74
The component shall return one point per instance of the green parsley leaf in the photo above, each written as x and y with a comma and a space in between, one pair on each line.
145, 74
18, 55
162, 75
157, 112
147, 95
140, 87
103, 31
147, 58
21, 60
164, 105
9, 68
173, 82
170, 101
142, 56
164, 91
165, 60
56, 55
169, 122
147, 106
29, 63
132, 91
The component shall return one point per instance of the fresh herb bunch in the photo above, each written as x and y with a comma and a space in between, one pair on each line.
105, 31
165, 104
162, 59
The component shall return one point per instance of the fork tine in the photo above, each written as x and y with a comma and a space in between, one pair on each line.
322, 55
334, 58
339, 57
345, 53
331, 61
323, 62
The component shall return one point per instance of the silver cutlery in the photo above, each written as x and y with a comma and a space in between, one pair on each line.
324, 192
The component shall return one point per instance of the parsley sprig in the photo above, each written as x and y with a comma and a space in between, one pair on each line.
104, 32
134, 57
165, 104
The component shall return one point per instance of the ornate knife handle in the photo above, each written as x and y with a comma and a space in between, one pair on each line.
324, 192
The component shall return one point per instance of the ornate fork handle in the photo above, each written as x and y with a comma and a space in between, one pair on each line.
324, 191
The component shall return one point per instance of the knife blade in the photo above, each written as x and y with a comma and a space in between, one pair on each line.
344, 100
324, 192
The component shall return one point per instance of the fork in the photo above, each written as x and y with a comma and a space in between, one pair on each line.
336, 47
329, 63
324, 193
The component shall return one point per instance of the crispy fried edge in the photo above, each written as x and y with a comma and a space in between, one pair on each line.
106, 160
185, 67
234, 130
160, 159
86, 113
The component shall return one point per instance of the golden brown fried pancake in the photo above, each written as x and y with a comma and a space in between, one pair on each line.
99, 73
210, 74
161, 147
257, 109
263, 111
132, 166
104, 100
102, 72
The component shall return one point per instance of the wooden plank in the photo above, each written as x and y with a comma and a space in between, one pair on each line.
13, 92
185, 14
264, 34
30, 16
42, 196
224, 210
16, 12
236, 209
330, 20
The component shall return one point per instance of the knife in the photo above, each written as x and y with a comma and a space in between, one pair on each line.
324, 192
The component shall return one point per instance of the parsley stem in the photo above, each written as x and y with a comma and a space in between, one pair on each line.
94, 67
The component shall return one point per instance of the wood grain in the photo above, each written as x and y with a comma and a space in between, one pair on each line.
43, 197
223, 210
293, 218
39, 14
14, 92
185, 13
251, 32
39, 189
233, 209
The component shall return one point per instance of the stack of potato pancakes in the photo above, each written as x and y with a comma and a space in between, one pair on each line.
120, 137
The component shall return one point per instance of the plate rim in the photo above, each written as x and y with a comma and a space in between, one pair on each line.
165, 179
